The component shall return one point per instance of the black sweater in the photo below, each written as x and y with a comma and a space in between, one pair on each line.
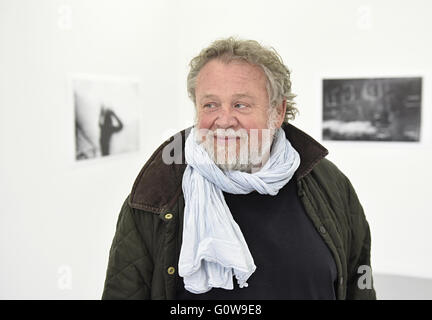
292, 260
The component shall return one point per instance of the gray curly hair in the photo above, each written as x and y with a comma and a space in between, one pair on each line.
229, 49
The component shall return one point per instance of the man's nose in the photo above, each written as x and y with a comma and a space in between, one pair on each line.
226, 118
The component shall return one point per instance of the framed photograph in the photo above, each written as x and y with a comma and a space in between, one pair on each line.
372, 109
106, 115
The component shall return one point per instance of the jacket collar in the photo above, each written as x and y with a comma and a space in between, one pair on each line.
158, 185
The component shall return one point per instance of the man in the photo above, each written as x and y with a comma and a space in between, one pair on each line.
243, 205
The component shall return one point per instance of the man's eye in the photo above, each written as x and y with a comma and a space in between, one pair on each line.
240, 106
209, 106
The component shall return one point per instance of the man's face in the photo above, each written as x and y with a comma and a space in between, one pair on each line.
233, 104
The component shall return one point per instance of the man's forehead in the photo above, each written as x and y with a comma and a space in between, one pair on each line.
235, 70
233, 80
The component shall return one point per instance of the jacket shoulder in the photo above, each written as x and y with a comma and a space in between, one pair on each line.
330, 181
326, 170
158, 185
337, 187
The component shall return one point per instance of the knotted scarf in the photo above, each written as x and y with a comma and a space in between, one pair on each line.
213, 247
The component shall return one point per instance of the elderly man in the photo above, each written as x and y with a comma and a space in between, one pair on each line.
243, 205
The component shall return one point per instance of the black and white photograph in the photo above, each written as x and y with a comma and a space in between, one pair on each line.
106, 116
372, 109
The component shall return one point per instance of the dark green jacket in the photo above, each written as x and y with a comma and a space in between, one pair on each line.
144, 255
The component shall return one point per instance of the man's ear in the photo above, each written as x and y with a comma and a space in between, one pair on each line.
281, 112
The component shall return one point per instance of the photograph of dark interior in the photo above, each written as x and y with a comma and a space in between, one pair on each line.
374, 109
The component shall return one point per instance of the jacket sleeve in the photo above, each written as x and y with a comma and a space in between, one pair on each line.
360, 280
130, 266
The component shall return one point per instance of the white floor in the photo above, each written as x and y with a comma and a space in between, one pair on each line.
394, 287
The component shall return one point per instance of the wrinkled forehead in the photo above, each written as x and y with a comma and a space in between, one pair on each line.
233, 78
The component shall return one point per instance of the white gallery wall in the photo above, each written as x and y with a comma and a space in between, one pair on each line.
57, 216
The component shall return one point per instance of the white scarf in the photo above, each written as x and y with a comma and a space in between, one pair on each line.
213, 247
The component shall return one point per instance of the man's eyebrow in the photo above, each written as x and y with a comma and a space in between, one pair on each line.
211, 96
236, 96
242, 95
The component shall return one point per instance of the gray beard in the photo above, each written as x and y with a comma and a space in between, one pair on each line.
250, 157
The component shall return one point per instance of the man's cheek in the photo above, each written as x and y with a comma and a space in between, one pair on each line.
205, 121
